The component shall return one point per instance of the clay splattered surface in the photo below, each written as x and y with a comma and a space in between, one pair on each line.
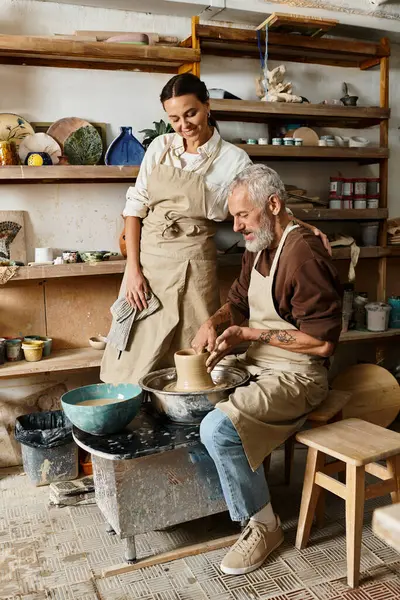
59, 554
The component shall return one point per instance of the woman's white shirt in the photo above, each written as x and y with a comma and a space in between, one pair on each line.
228, 163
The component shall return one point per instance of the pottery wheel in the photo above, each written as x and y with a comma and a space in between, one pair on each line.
375, 394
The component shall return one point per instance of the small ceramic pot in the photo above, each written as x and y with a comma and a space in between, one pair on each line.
38, 159
48, 342
98, 342
288, 141
298, 141
96, 255
252, 142
70, 256
13, 350
33, 350
191, 371
2, 351
277, 142
263, 141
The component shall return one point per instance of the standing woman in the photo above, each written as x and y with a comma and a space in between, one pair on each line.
170, 219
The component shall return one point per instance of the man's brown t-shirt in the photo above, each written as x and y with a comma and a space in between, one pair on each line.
306, 290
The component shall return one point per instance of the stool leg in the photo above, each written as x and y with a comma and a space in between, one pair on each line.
309, 498
289, 457
267, 465
393, 466
355, 497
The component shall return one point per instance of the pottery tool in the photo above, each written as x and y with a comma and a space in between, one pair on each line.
375, 394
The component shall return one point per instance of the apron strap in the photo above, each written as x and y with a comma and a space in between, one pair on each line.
288, 229
166, 150
211, 158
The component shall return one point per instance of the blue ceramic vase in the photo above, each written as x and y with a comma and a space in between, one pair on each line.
125, 149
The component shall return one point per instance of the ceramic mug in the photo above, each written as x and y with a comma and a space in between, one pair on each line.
70, 256
43, 255
191, 371
47, 342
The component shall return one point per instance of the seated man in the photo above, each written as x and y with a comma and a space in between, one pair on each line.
289, 290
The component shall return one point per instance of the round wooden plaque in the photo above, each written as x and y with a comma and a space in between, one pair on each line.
375, 394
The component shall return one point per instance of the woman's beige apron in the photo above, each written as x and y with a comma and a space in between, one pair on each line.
288, 384
178, 259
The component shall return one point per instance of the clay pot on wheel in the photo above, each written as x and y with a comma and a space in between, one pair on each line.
191, 371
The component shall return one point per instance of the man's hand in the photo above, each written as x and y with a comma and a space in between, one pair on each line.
231, 337
205, 338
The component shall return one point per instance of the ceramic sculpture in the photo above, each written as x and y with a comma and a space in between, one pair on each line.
272, 88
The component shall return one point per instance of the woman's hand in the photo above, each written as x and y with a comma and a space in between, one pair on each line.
324, 239
322, 236
136, 289
233, 336
205, 338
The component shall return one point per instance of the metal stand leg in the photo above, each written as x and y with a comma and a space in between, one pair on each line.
130, 549
109, 529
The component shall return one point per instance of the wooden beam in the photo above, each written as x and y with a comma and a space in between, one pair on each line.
382, 488
368, 64
378, 470
326, 482
176, 554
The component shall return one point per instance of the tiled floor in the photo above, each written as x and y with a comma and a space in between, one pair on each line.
59, 554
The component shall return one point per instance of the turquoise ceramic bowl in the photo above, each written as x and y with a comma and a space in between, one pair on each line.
106, 419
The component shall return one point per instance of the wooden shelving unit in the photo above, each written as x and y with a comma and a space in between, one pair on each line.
68, 174
56, 52
44, 272
242, 43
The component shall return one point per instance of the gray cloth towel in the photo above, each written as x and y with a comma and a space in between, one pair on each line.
124, 315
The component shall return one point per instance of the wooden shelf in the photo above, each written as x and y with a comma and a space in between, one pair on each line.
60, 360
234, 42
331, 214
68, 174
369, 155
319, 115
365, 336
88, 358
56, 52
71, 270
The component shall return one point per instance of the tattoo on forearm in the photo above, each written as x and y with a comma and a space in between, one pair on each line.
280, 335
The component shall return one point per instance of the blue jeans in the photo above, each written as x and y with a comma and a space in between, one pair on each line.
245, 491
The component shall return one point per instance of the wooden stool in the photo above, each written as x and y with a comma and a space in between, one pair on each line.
356, 445
329, 411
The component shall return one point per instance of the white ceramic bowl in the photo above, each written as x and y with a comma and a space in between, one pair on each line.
98, 342
358, 142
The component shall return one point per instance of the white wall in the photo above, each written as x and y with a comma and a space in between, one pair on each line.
88, 216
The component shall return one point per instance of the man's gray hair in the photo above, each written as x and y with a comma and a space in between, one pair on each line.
261, 182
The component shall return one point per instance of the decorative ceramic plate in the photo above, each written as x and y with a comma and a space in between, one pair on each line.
84, 146
62, 129
14, 128
40, 142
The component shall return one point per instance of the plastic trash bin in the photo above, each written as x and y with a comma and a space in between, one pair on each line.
48, 450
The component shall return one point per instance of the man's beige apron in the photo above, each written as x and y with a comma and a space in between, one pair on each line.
288, 384
178, 259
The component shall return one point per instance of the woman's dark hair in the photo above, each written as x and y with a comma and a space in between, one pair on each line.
184, 84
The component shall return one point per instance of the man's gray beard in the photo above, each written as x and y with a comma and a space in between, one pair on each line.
263, 237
